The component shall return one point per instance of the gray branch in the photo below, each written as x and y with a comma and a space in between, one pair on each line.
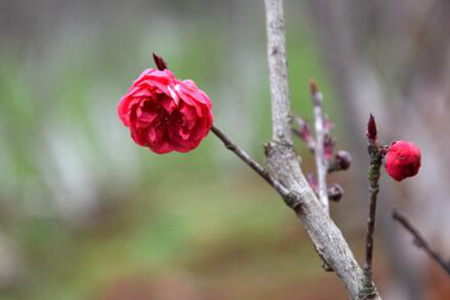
420, 242
233, 147
285, 168
319, 151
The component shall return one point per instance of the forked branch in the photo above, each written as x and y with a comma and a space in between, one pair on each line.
284, 165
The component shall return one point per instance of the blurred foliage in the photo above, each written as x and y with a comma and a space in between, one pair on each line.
61, 142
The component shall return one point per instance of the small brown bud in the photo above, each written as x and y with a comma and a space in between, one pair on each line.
343, 159
335, 192
160, 63
372, 130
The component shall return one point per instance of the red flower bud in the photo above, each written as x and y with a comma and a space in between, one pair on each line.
372, 134
164, 113
403, 160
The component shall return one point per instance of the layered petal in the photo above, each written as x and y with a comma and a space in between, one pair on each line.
165, 114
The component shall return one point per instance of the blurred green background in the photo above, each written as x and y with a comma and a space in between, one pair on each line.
87, 214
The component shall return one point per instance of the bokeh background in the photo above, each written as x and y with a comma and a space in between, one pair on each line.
87, 214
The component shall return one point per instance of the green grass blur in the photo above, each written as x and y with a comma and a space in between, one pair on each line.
202, 219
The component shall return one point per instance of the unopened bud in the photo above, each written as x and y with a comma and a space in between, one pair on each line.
160, 63
335, 192
372, 130
341, 161
403, 160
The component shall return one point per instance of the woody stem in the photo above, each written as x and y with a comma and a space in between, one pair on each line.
319, 151
376, 158
233, 147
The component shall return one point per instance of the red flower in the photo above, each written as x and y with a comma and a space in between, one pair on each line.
165, 114
402, 160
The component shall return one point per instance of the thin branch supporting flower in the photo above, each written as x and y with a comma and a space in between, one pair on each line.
376, 159
233, 147
420, 242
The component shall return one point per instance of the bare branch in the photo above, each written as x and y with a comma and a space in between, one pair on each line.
250, 162
374, 187
284, 166
321, 161
420, 242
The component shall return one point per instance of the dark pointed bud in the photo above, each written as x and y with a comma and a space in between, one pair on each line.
160, 63
335, 192
372, 130
343, 159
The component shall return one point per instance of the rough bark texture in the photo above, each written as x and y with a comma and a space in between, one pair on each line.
284, 164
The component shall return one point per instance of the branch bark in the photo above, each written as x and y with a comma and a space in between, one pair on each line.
376, 157
321, 162
284, 164
250, 162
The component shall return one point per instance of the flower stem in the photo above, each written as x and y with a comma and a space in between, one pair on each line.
376, 158
230, 145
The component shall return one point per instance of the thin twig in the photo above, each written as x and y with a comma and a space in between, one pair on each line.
319, 151
249, 161
374, 188
376, 158
420, 242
